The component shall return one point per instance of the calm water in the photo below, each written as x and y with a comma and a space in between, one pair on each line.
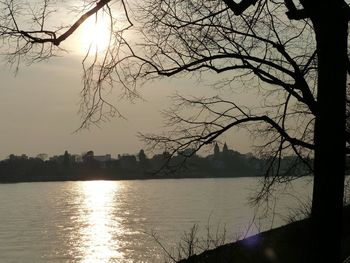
110, 221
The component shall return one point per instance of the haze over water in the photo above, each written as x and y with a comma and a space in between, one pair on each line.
110, 221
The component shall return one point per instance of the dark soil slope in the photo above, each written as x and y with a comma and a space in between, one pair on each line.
288, 244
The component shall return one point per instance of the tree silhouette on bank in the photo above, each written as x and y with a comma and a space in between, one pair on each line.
299, 49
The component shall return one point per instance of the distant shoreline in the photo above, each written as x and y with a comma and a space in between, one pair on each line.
130, 178
66, 167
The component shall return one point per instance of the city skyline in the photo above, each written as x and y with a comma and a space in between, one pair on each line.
39, 111
118, 155
39, 103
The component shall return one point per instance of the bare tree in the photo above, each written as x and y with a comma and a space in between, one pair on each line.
294, 54
196, 122
295, 51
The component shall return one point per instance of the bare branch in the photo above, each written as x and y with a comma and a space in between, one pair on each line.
239, 8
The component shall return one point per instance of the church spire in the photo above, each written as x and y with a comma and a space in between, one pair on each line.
216, 150
225, 149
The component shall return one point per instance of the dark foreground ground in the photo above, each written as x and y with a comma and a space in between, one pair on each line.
287, 244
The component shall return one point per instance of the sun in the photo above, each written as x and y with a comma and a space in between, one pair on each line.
95, 34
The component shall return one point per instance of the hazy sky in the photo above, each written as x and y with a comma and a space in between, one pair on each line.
39, 111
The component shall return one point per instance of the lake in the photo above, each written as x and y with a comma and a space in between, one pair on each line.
113, 221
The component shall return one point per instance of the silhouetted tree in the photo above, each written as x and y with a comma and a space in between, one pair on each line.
298, 48
12, 157
286, 53
66, 158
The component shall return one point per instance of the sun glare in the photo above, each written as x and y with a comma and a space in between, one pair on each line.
95, 34
101, 224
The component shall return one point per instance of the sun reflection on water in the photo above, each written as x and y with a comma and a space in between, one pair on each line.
97, 233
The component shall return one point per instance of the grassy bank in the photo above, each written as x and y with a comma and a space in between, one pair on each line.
287, 244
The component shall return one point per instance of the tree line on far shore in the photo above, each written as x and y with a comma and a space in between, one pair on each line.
187, 164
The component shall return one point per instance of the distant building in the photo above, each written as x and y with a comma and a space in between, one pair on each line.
216, 150
127, 162
187, 152
77, 158
102, 158
68, 158
88, 156
225, 150
13, 157
56, 158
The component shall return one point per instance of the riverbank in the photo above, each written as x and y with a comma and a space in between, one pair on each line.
128, 167
282, 244
47, 172
119, 178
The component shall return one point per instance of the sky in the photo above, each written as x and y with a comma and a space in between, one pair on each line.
39, 110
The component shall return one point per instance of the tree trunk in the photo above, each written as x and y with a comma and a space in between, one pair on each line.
329, 165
